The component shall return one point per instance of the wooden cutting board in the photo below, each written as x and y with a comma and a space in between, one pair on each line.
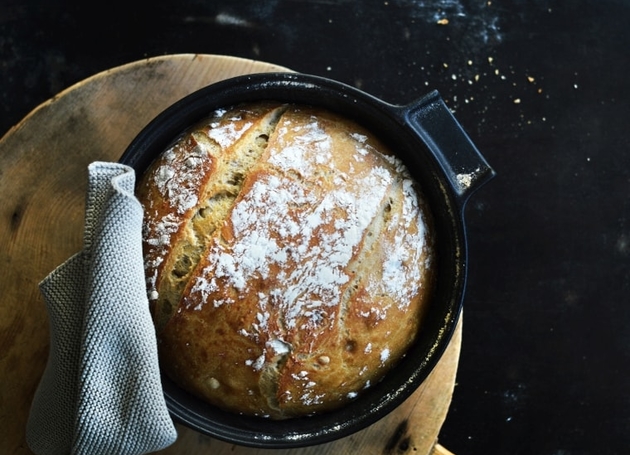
43, 170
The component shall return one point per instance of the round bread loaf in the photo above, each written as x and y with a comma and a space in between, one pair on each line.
288, 258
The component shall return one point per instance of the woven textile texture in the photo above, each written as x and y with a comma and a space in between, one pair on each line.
101, 391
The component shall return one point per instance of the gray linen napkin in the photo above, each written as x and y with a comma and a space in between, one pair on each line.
101, 391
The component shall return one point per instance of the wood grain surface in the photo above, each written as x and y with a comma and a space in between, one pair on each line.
43, 171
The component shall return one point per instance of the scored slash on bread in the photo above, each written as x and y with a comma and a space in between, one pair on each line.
288, 258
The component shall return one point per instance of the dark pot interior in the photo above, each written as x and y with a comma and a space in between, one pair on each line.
434, 148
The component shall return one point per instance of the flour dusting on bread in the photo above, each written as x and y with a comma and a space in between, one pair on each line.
288, 257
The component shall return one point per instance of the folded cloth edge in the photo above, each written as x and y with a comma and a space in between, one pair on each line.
77, 387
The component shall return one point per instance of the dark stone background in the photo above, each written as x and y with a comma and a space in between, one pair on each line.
542, 87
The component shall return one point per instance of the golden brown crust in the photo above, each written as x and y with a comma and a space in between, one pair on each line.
310, 280
187, 192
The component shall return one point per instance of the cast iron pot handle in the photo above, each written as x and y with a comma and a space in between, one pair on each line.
463, 164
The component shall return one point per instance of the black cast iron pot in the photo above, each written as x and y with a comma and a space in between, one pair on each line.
448, 167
